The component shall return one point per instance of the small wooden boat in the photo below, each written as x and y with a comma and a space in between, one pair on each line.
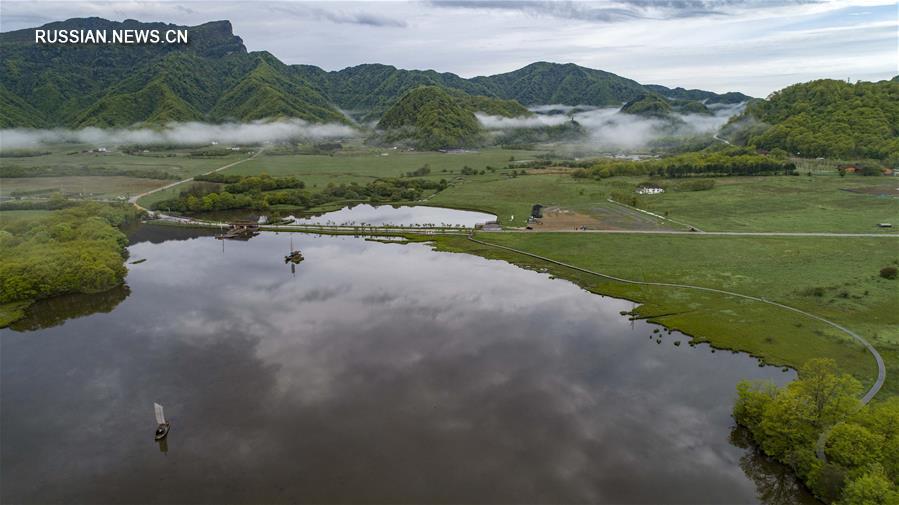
162, 428
295, 255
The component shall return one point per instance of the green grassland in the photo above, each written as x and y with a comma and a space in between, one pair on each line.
365, 165
511, 198
771, 203
359, 164
835, 278
85, 187
104, 175
174, 162
786, 204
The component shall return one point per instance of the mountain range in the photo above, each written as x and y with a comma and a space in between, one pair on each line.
214, 78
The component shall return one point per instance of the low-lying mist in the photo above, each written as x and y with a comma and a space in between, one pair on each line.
186, 134
608, 128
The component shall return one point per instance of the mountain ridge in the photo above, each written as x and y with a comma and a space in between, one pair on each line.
214, 78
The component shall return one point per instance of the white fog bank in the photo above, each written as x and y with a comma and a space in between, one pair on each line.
606, 127
191, 133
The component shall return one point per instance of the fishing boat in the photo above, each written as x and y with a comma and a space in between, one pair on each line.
295, 255
162, 428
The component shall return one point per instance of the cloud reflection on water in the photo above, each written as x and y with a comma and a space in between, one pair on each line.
378, 373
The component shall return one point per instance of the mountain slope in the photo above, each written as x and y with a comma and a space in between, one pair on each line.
268, 91
566, 84
430, 118
825, 118
647, 106
16, 112
63, 81
368, 90
698, 95
214, 78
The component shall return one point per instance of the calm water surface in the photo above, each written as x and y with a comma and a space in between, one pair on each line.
376, 373
399, 215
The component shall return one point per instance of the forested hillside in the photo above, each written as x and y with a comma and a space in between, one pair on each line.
429, 117
648, 106
215, 79
699, 95
829, 118
568, 84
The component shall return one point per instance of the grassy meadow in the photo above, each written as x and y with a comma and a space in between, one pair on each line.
361, 165
767, 204
102, 187
786, 204
75, 171
836, 278
365, 165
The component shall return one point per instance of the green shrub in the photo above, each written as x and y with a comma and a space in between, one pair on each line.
888, 272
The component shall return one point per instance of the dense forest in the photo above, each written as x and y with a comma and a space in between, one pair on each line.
698, 95
861, 451
648, 106
263, 192
75, 250
828, 118
215, 79
731, 161
431, 118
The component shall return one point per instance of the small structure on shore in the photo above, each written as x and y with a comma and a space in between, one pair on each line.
240, 230
488, 226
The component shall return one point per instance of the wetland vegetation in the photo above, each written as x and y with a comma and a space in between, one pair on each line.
46, 254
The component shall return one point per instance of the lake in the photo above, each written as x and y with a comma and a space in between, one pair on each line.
401, 215
373, 373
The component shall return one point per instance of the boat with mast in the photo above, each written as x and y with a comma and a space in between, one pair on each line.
162, 428
295, 256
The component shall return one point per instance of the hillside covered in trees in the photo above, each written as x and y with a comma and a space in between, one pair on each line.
214, 78
828, 118
430, 117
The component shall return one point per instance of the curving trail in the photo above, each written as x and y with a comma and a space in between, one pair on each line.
133, 200
881, 368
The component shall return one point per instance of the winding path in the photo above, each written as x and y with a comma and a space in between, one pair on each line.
881, 368
133, 200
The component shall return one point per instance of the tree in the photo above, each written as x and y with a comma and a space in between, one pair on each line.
851, 445
830, 397
872, 488
753, 399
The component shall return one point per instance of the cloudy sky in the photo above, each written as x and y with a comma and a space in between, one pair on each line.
753, 46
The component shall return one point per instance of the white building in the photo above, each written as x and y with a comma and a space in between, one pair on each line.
647, 190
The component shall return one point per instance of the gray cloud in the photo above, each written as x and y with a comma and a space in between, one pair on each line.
618, 10
753, 46
340, 17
